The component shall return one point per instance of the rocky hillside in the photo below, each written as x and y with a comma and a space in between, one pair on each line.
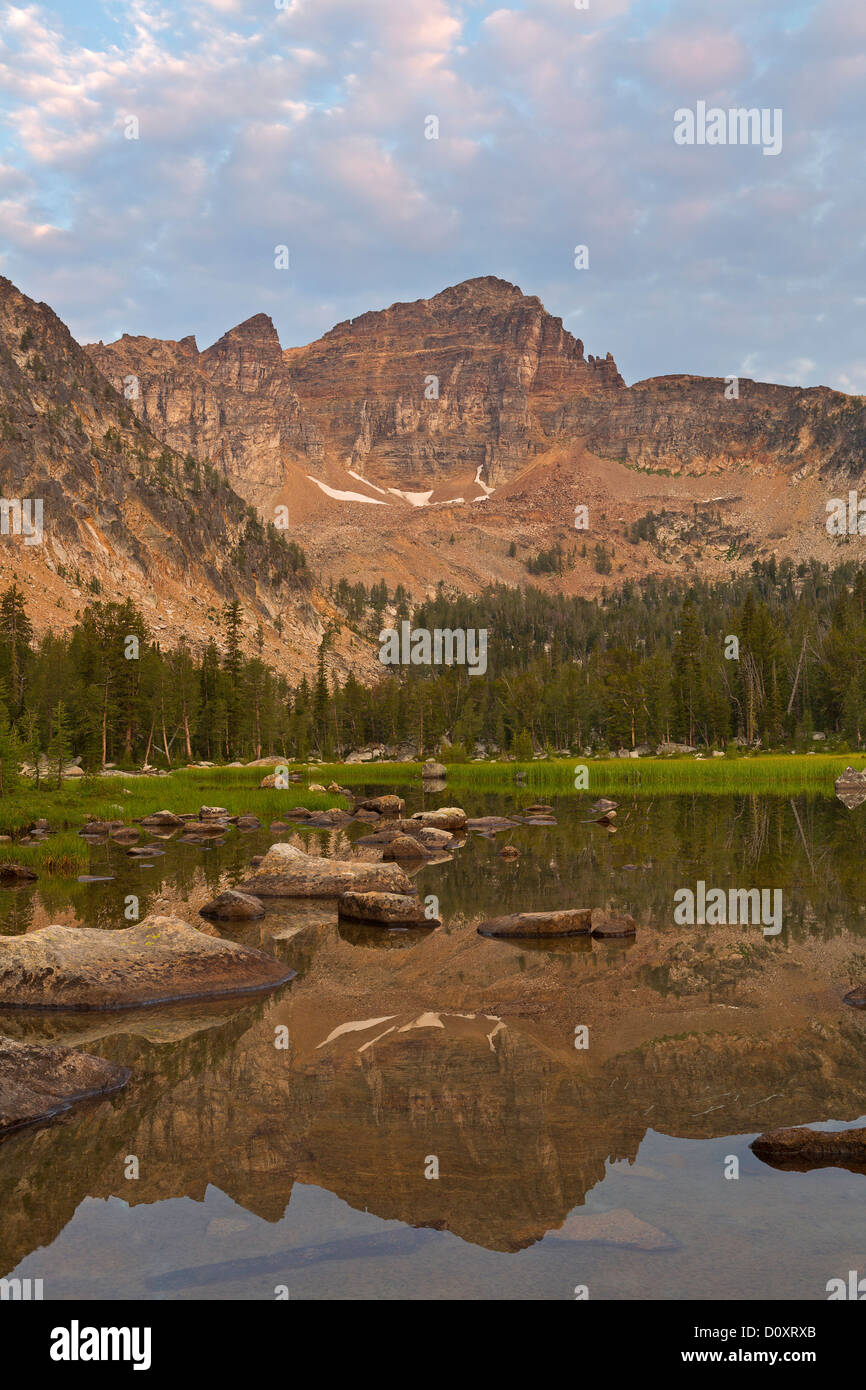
472, 382
447, 439
508, 377
399, 424
233, 404
694, 424
123, 514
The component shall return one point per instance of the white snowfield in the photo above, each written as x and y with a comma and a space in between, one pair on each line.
345, 496
415, 499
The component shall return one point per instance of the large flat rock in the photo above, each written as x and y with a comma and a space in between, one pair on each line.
38, 1081
157, 960
385, 909
814, 1147
286, 872
570, 921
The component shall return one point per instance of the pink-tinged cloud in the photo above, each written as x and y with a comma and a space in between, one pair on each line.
701, 62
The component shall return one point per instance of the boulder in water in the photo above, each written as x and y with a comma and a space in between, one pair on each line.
445, 818
233, 906
388, 805
813, 1146
286, 872
606, 923
385, 909
570, 921
157, 960
405, 847
16, 873
38, 1081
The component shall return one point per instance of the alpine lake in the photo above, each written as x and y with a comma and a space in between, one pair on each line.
434, 1114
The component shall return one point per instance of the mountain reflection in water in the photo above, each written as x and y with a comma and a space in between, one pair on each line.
312, 1162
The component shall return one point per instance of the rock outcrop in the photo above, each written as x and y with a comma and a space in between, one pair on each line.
812, 1146
385, 909
286, 872
573, 921
37, 1082
233, 906
158, 960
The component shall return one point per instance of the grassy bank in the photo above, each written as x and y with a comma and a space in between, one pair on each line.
129, 798
783, 774
237, 789
62, 854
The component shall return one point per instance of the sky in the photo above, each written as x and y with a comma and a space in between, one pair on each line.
303, 124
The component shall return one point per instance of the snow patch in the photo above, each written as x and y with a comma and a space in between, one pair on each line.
346, 496
352, 474
487, 490
417, 499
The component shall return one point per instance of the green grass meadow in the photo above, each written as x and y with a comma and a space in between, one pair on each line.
68, 807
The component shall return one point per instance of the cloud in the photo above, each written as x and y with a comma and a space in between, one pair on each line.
305, 125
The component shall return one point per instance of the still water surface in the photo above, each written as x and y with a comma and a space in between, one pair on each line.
305, 1167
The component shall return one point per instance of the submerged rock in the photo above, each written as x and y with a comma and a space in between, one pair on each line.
618, 1227
570, 921
612, 923
811, 1145
386, 909
488, 825
248, 823
126, 835
509, 852
155, 961
234, 906
39, 1081
856, 997
286, 872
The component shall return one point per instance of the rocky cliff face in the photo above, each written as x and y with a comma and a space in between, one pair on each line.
233, 405
479, 394
687, 423
476, 378
123, 515
478, 381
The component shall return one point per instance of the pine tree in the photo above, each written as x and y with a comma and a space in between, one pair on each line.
60, 743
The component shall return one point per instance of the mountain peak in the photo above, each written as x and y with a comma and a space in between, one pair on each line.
258, 330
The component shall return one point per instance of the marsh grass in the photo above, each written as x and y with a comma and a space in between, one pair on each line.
129, 798
237, 789
782, 774
62, 854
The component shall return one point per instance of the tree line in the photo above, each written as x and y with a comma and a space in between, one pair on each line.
765, 658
